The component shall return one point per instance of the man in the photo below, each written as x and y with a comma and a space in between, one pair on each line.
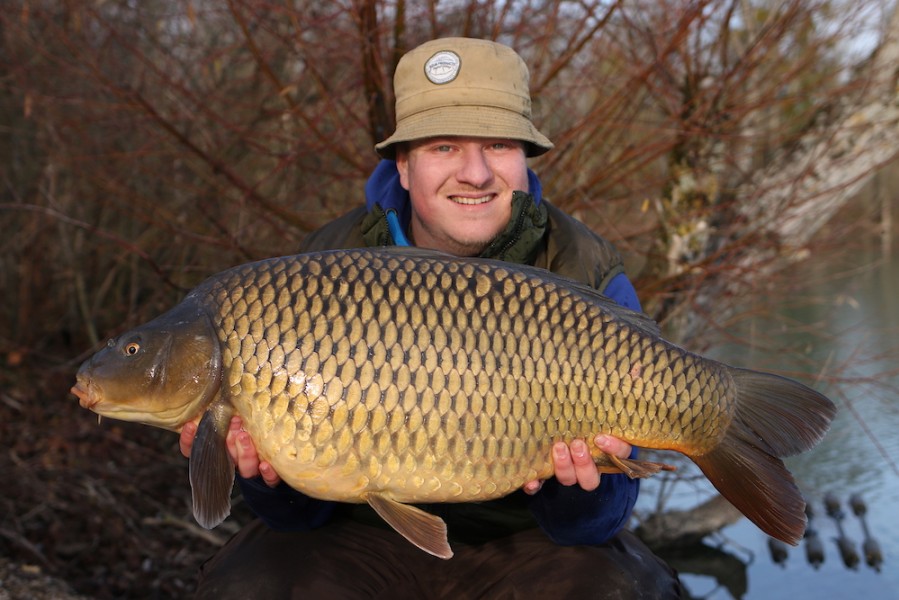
455, 179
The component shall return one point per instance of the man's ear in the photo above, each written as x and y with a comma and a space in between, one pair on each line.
402, 165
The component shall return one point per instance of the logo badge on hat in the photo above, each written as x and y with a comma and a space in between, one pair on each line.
443, 67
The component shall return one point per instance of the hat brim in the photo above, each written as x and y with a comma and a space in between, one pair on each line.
466, 121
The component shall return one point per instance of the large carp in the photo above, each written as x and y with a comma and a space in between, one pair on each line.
394, 376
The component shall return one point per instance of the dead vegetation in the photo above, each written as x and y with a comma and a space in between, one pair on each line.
148, 144
103, 507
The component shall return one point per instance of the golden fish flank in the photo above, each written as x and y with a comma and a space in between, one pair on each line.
426, 389
396, 375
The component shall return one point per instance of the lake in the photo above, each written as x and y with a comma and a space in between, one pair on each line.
842, 329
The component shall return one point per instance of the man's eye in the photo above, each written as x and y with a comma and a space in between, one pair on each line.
505, 145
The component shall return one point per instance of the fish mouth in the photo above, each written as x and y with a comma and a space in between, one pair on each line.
84, 395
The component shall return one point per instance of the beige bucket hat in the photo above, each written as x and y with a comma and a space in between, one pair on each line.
463, 87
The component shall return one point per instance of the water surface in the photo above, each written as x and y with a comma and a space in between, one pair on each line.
844, 335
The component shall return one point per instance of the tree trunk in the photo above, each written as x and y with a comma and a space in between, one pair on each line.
779, 210
802, 190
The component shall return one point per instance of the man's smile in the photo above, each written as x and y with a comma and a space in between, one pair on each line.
472, 200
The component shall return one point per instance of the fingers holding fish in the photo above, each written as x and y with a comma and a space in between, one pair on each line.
186, 440
241, 449
573, 464
268, 474
245, 457
578, 467
613, 446
532, 487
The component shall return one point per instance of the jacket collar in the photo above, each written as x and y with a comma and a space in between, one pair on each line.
519, 242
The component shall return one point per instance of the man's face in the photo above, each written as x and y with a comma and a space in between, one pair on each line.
461, 190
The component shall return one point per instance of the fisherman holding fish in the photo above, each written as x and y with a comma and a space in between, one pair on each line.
454, 178
369, 390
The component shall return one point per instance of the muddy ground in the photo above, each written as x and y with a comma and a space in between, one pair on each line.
100, 510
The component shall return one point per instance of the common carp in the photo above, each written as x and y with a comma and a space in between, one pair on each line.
396, 376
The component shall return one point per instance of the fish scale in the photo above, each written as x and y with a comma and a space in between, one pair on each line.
411, 364
394, 376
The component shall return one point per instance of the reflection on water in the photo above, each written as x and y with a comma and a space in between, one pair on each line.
728, 571
851, 345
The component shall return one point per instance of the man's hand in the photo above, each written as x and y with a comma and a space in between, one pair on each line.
572, 463
240, 447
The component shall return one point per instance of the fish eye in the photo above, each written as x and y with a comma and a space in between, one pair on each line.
132, 348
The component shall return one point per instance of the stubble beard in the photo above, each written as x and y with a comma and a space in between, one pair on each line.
446, 242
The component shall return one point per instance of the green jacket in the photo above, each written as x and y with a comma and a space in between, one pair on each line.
542, 236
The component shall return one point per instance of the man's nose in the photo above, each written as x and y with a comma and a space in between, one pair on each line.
475, 169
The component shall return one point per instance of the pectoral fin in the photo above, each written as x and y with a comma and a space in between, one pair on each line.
425, 530
211, 471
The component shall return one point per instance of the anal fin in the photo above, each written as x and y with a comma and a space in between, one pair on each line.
423, 529
632, 468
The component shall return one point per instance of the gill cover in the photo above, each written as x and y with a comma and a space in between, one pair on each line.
163, 373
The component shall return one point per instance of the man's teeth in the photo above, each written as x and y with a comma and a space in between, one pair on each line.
472, 201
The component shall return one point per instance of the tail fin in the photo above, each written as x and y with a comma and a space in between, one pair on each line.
775, 417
